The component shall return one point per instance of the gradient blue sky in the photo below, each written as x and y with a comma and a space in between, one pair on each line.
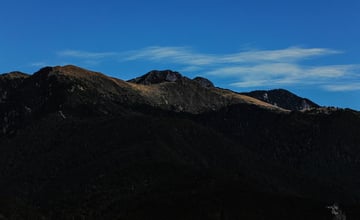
309, 47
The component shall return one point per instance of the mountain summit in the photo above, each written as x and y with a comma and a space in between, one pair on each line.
77, 144
155, 77
283, 99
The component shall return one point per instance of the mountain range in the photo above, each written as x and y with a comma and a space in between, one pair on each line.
77, 144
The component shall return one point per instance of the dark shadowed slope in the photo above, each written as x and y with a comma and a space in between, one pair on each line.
9, 82
79, 144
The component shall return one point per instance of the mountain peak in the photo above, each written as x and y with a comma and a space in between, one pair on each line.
13, 75
161, 76
157, 76
204, 82
68, 70
284, 99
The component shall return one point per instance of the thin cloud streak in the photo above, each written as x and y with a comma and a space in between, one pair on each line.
247, 69
39, 64
265, 69
289, 54
254, 68
184, 55
343, 87
287, 74
330, 71
180, 55
85, 54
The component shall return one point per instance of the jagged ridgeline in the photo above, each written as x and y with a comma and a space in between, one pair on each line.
77, 144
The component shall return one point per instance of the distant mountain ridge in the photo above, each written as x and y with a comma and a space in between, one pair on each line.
156, 76
77, 144
283, 99
161, 76
68, 87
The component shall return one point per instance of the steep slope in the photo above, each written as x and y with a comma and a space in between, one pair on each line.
172, 91
73, 90
161, 76
69, 90
283, 99
155, 77
81, 145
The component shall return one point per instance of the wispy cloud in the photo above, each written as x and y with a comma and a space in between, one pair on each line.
255, 68
184, 55
180, 55
288, 54
85, 54
271, 69
244, 69
87, 58
343, 87
280, 74
39, 64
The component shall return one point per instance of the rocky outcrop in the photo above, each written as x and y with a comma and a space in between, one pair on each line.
172, 91
203, 82
337, 212
156, 76
283, 99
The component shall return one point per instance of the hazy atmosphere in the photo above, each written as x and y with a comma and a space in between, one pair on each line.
308, 47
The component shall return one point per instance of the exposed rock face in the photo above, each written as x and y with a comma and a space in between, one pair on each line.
156, 76
76, 144
283, 99
204, 82
337, 212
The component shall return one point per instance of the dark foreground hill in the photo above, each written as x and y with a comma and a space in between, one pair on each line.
76, 144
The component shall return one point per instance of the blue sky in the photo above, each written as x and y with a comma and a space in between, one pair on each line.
309, 47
